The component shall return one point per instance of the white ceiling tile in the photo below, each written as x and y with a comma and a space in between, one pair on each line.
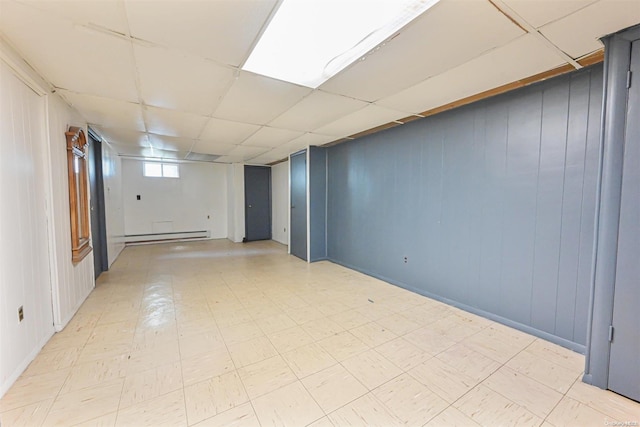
521, 58
578, 33
105, 14
173, 123
105, 111
123, 136
247, 151
367, 118
541, 12
170, 143
447, 35
69, 56
308, 139
132, 150
177, 80
266, 158
317, 109
222, 30
207, 147
258, 99
227, 132
271, 137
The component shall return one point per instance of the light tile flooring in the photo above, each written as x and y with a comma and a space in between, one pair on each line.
221, 334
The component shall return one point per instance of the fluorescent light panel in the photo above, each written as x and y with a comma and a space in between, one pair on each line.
309, 41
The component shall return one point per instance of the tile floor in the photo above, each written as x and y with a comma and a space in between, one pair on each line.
220, 334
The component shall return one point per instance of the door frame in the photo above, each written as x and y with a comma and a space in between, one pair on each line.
100, 253
617, 62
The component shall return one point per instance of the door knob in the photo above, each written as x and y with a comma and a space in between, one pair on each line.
249, 205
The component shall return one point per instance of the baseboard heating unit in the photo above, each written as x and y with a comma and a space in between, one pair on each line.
166, 237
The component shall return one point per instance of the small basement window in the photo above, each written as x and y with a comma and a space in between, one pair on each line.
159, 170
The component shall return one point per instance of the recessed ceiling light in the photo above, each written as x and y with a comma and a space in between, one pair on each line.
309, 41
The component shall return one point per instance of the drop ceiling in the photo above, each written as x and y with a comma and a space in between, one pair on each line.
163, 78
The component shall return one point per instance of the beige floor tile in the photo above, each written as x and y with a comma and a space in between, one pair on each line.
371, 369
526, 392
252, 351
308, 359
333, 387
290, 339
544, 371
115, 333
225, 318
426, 313
456, 327
29, 415
607, 402
291, 405
214, 396
469, 362
349, 319
403, 354
100, 351
193, 345
409, 400
196, 315
266, 376
430, 341
451, 417
162, 354
166, 410
304, 314
93, 373
86, 404
108, 420
560, 356
322, 422
322, 328
398, 324
331, 308
277, 323
149, 384
240, 416
373, 334
486, 407
343, 346
197, 327
443, 379
52, 361
571, 413
498, 345
61, 342
235, 334
365, 411
206, 365
32, 389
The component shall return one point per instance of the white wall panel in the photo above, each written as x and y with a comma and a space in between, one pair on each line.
185, 202
72, 283
113, 202
24, 259
280, 202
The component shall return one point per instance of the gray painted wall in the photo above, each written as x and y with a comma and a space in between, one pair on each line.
317, 165
492, 204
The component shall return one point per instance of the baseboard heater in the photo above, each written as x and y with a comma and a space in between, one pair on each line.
164, 237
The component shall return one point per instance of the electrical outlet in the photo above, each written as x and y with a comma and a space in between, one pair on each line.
406, 260
20, 314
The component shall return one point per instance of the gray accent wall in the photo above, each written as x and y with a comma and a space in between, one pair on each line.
492, 205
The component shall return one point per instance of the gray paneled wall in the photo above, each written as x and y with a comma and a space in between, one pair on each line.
317, 165
492, 204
